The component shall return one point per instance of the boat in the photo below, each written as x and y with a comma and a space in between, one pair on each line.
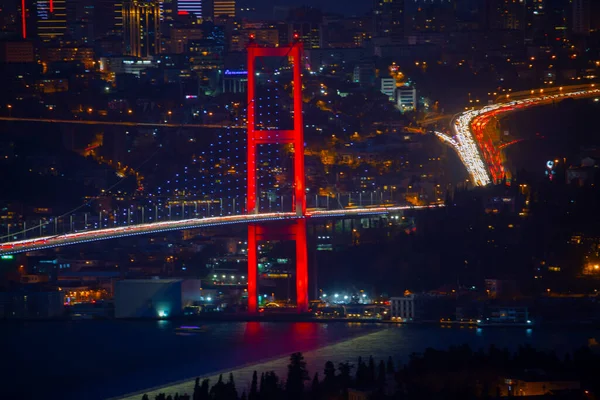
191, 329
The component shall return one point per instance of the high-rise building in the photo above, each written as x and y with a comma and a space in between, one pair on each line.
118, 15
306, 23
51, 19
507, 15
388, 20
224, 8
429, 16
581, 17
81, 17
10, 19
185, 7
141, 27
168, 10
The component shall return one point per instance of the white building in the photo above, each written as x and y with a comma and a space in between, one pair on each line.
154, 298
407, 308
235, 81
126, 65
388, 87
406, 98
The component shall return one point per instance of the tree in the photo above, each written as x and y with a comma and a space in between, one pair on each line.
390, 365
297, 374
230, 391
329, 381
271, 387
371, 373
204, 389
315, 389
345, 378
196, 394
218, 391
254, 387
361, 374
262, 383
381, 375
145, 397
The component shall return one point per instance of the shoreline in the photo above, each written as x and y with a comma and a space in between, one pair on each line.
241, 373
295, 318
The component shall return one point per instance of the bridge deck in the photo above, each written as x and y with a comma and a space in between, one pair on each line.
47, 242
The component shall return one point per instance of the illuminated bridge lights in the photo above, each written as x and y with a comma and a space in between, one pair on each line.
478, 153
48, 242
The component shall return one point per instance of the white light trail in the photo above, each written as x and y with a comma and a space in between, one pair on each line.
47, 242
464, 141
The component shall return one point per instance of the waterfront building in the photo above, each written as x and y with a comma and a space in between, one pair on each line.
155, 298
31, 302
407, 308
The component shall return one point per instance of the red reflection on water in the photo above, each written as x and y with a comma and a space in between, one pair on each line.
253, 332
306, 332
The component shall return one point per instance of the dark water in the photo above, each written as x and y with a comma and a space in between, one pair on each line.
100, 359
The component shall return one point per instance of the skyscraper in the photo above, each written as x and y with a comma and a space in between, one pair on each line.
194, 7
224, 8
51, 19
388, 20
141, 32
581, 17
507, 15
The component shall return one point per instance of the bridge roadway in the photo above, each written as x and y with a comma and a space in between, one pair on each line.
48, 242
478, 152
119, 123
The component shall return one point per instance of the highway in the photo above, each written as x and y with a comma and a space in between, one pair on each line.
48, 242
480, 155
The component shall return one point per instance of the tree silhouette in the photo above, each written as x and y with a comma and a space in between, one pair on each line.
272, 390
315, 388
230, 391
329, 381
297, 374
218, 390
361, 374
254, 387
262, 383
381, 375
371, 373
390, 365
345, 377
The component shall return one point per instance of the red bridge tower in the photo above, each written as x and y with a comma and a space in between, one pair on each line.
289, 230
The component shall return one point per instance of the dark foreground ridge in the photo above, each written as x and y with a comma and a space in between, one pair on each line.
456, 373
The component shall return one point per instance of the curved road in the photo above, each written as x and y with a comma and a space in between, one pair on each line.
477, 151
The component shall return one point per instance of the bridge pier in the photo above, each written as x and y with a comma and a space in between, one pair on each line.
290, 230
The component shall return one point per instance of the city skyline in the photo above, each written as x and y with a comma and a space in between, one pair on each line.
190, 188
